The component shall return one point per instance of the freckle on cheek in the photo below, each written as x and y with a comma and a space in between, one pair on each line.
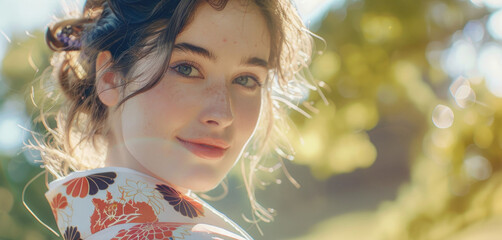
224, 40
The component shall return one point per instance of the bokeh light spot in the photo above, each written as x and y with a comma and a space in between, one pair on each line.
380, 28
493, 4
6, 200
350, 152
361, 116
462, 92
478, 167
12, 136
442, 116
489, 63
474, 30
460, 59
312, 146
326, 66
494, 25
446, 15
409, 76
464, 96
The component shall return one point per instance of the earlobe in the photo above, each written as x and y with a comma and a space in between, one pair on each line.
107, 89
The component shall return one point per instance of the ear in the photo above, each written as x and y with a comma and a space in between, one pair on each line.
107, 89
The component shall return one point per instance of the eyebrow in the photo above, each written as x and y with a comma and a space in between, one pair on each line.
187, 47
190, 48
254, 61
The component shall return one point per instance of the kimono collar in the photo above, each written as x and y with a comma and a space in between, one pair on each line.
87, 202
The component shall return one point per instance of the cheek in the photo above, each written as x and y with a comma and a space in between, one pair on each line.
151, 112
246, 117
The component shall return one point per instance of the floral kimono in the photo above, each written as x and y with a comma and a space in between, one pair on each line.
124, 204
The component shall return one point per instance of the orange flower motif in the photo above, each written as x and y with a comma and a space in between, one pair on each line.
58, 202
89, 184
150, 231
108, 213
77, 187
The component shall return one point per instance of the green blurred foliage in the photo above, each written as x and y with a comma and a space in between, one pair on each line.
23, 63
374, 68
377, 53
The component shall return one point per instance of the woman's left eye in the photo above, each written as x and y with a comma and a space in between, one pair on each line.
247, 81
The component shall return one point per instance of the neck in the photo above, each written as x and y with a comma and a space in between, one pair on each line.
118, 156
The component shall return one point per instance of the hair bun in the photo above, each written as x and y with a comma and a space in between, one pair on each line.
137, 11
66, 35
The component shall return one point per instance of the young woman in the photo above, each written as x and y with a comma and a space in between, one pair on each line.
161, 99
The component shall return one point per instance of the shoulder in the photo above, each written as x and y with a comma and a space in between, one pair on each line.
165, 230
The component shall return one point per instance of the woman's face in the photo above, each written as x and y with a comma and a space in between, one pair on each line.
192, 127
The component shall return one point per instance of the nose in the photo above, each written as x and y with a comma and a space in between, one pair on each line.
217, 111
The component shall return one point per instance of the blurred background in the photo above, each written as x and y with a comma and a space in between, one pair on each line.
409, 145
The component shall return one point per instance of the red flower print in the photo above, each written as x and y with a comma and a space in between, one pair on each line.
107, 213
71, 233
58, 202
150, 231
181, 203
89, 184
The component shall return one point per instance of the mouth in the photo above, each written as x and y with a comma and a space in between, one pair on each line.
203, 150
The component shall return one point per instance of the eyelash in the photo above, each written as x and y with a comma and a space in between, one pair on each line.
194, 65
186, 63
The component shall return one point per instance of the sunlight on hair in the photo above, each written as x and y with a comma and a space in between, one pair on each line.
5, 36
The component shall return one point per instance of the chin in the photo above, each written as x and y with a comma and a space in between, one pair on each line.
202, 184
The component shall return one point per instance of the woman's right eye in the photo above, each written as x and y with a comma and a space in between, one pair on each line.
187, 70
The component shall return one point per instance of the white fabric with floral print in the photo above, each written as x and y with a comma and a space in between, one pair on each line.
121, 203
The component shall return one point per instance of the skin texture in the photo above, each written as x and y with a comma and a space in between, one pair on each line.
201, 96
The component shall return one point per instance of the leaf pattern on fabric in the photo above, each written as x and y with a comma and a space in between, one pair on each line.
159, 230
181, 203
71, 233
58, 202
109, 213
91, 184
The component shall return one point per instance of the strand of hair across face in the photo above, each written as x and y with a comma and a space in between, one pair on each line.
26, 205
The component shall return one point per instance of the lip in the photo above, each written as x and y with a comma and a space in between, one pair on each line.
208, 148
